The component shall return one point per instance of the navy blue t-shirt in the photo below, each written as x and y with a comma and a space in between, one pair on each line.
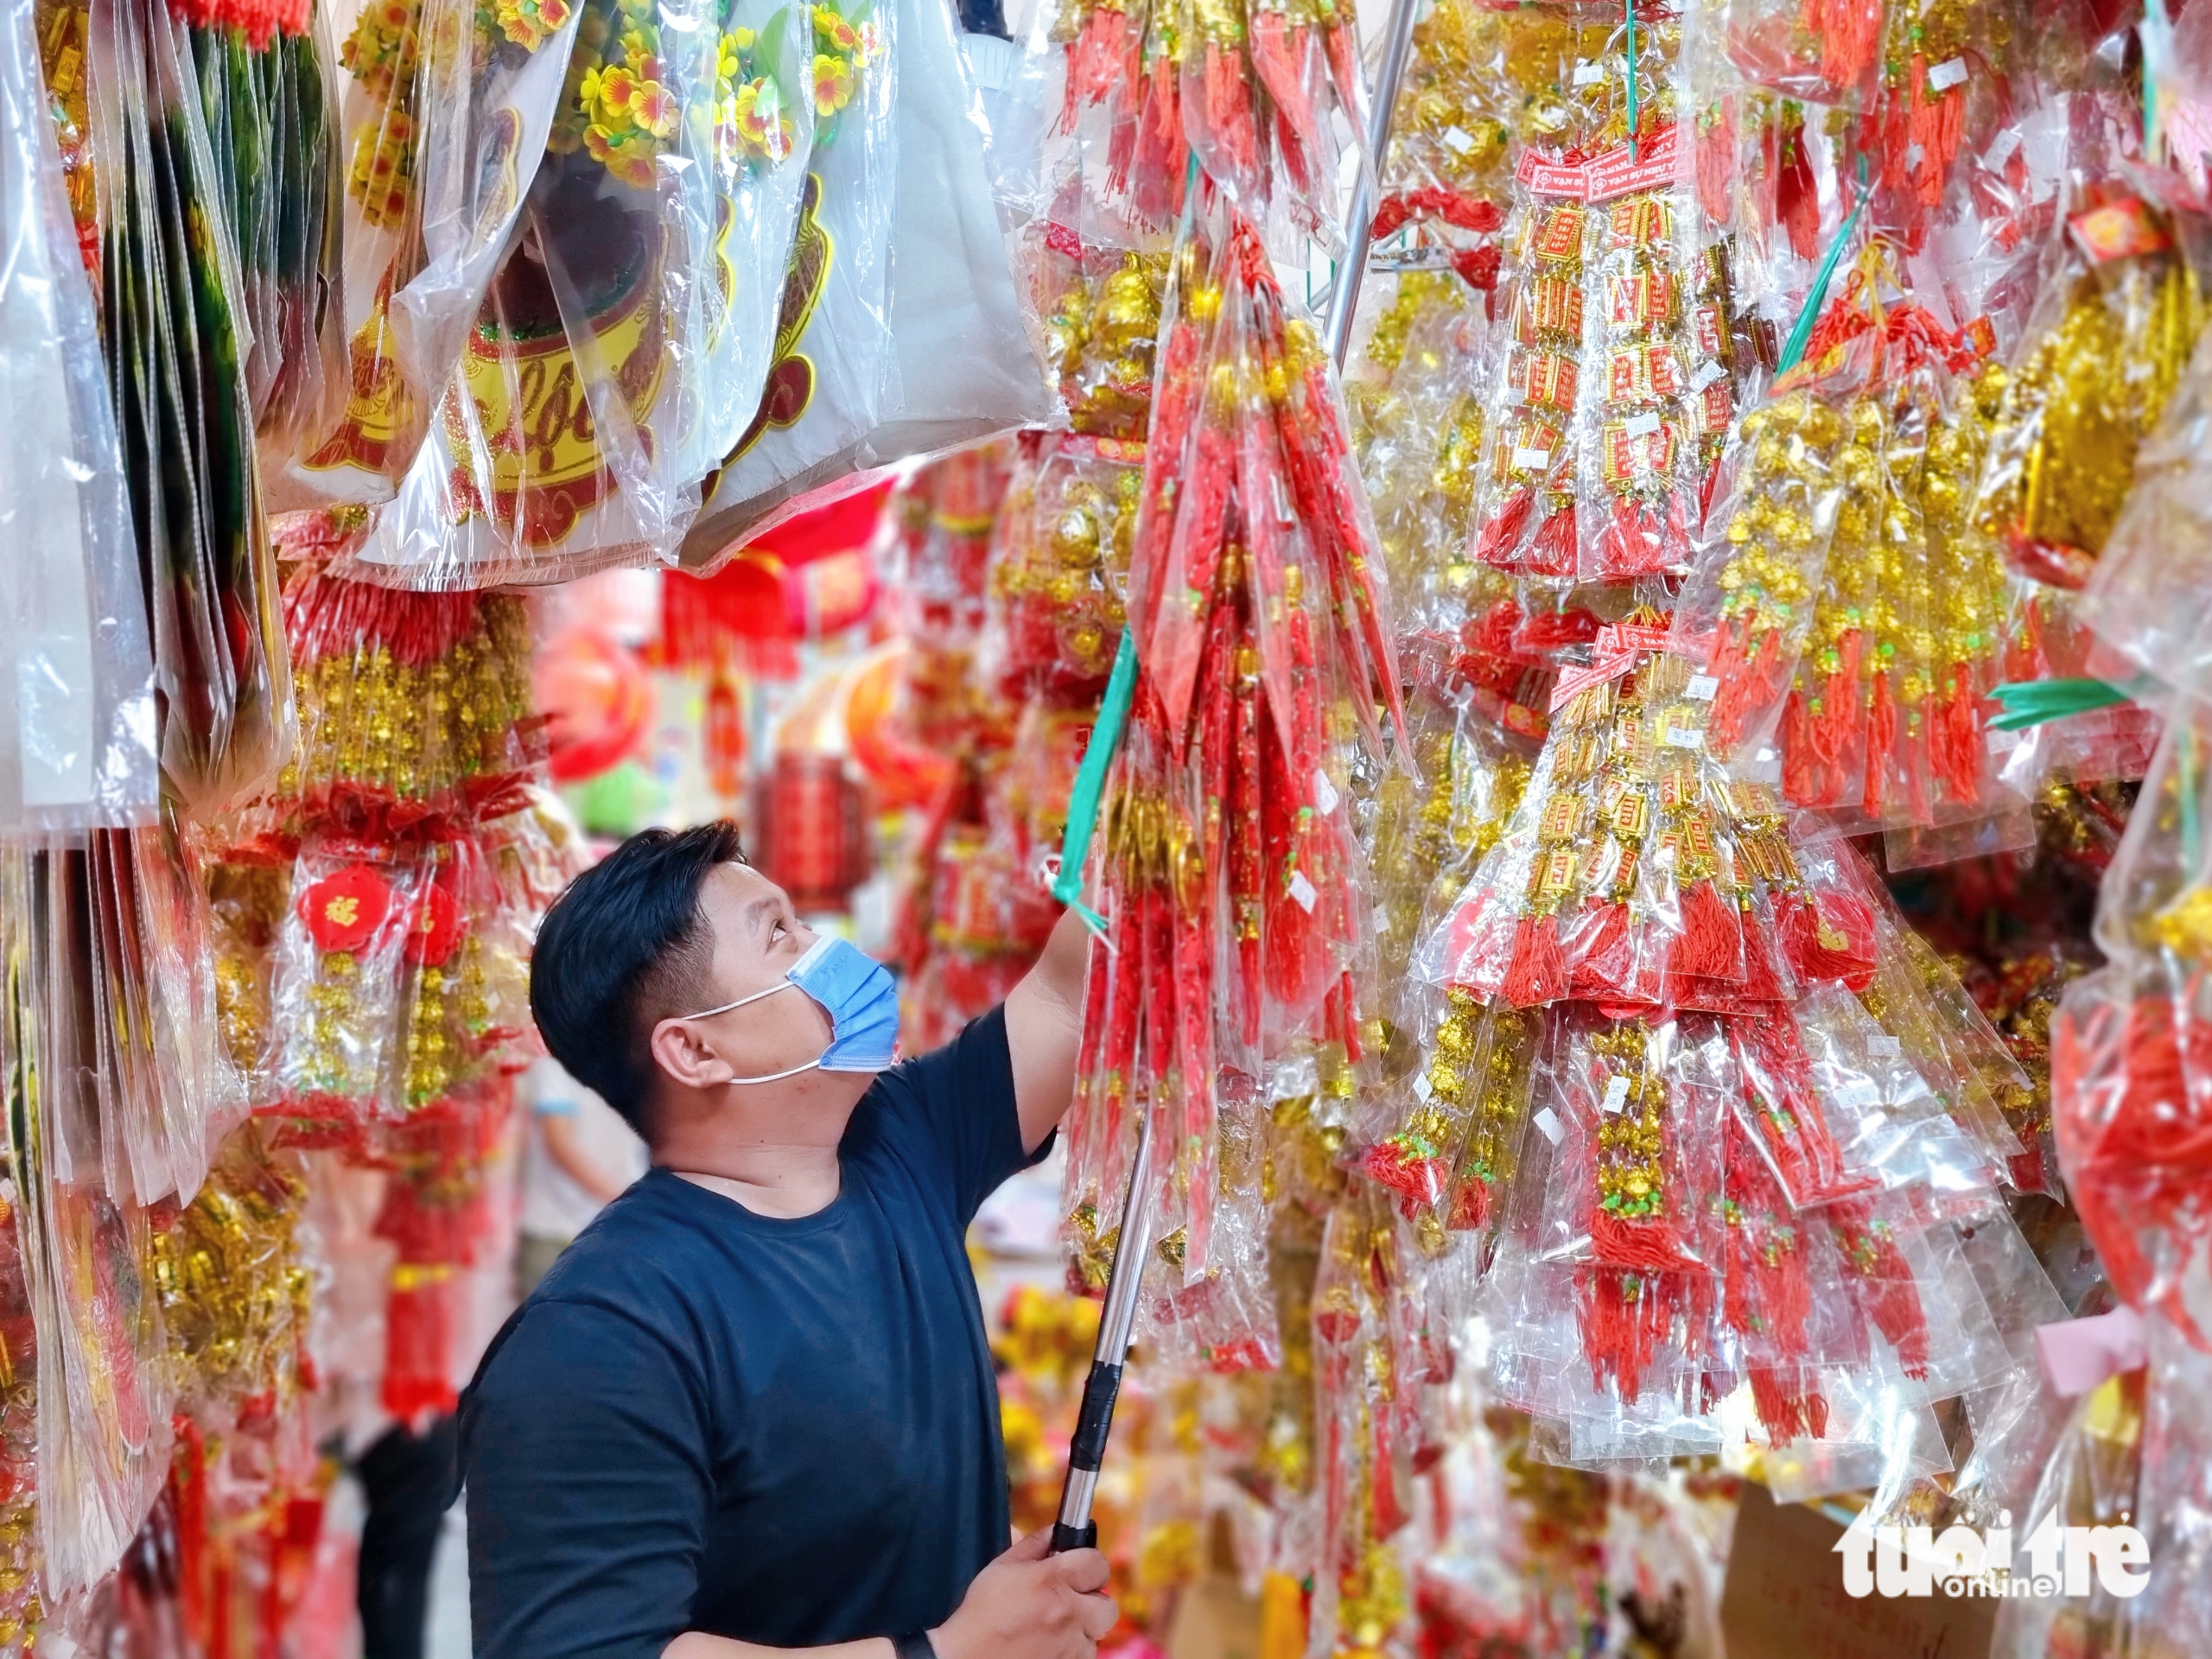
781, 1431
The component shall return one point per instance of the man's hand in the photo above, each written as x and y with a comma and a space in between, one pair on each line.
1031, 1604
1044, 1030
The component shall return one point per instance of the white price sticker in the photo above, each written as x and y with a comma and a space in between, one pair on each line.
1616, 1093
1707, 372
1702, 687
2000, 149
1534, 458
1460, 140
1423, 1087
1952, 71
1589, 75
1853, 1094
1641, 426
1884, 1047
1303, 893
1324, 792
1677, 738
1549, 1126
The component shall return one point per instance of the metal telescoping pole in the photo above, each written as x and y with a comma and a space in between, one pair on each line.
1075, 1530
1397, 47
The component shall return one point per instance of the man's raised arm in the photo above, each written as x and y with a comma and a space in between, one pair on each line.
1044, 1029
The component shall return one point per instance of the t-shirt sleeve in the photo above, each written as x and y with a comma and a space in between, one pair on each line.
583, 1448
961, 1098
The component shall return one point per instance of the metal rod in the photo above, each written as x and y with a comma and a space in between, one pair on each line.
1075, 1530
1397, 47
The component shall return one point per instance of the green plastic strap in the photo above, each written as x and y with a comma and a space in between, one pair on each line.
1629, 6
1794, 347
1091, 783
2031, 702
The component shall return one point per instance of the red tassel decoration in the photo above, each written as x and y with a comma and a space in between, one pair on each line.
1797, 196
1280, 51
1955, 744
1624, 1316
1797, 784
1552, 552
1538, 970
1638, 541
1711, 942
1604, 961
1850, 33
1881, 741
1883, 1282
1229, 107
1831, 938
1499, 539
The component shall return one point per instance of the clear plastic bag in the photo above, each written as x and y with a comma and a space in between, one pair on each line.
2146, 595
339, 967
2102, 355
446, 125
103, 1411
615, 358
76, 715
962, 362
174, 330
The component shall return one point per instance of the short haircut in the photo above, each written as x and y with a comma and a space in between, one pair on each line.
624, 948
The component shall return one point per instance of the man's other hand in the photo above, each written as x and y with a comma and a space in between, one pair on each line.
1031, 1604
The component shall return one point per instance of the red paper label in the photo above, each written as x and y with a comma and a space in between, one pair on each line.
1542, 178
2120, 230
1618, 173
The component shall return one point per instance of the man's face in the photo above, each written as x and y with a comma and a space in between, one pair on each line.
757, 938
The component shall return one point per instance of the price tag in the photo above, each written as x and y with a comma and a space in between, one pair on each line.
1589, 75
2000, 149
1460, 140
1677, 738
1854, 1094
1952, 71
1303, 894
1642, 425
1324, 792
1532, 458
1707, 372
1702, 687
1549, 1126
1883, 1046
1616, 1093
1423, 1087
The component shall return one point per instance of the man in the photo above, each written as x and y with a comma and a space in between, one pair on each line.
752, 1408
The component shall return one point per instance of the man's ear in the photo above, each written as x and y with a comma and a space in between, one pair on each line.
681, 1049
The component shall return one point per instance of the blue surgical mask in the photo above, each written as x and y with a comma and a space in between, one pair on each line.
858, 993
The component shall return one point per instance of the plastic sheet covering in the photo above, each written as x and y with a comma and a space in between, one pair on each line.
621, 350
76, 696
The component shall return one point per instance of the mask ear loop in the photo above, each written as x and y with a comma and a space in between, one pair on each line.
708, 1014
773, 1076
776, 1077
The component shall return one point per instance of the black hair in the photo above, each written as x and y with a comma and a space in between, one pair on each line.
624, 948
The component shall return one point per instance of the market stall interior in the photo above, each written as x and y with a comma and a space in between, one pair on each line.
1604, 609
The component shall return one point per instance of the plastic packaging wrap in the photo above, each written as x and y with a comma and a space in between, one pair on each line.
340, 965
441, 146
964, 363
103, 1417
1849, 612
173, 328
2148, 595
77, 722
2103, 352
